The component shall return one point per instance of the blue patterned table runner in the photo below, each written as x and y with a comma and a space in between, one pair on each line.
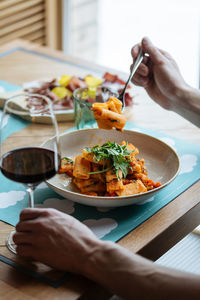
107, 224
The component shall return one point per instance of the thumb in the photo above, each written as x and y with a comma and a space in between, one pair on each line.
153, 52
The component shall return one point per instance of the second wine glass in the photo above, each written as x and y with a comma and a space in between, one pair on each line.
27, 122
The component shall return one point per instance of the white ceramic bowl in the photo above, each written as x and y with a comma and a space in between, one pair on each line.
161, 160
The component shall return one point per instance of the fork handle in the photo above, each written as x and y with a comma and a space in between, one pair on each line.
136, 65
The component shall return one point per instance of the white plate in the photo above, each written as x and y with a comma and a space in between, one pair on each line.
161, 160
61, 115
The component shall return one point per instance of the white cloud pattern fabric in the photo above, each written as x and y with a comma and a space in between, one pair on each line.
137, 129
11, 198
188, 162
5, 121
146, 201
169, 142
2, 90
42, 185
102, 226
64, 205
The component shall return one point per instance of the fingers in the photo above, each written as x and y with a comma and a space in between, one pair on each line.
31, 213
141, 77
24, 245
155, 56
22, 238
26, 251
154, 53
36, 225
140, 80
135, 50
25, 226
142, 73
142, 70
31, 221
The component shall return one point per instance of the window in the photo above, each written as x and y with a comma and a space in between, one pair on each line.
171, 24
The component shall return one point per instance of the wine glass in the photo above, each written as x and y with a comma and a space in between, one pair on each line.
27, 122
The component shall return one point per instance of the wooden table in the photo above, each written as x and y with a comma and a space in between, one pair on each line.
21, 61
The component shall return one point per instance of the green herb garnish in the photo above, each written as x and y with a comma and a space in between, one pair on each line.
68, 160
118, 155
100, 171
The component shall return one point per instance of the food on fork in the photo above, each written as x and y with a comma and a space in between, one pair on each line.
109, 114
109, 170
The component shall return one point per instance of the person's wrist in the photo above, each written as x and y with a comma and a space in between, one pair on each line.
98, 260
93, 247
181, 94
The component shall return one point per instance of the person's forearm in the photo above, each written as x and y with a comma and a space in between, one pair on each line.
133, 277
187, 104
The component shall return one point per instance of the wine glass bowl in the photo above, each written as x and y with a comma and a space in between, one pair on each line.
24, 157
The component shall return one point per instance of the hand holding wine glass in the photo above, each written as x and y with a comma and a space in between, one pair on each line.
23, 158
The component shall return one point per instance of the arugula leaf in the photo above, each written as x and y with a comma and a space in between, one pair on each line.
100, 171
68, 160
118, 155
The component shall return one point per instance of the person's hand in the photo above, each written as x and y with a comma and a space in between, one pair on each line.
54, 238
158, 74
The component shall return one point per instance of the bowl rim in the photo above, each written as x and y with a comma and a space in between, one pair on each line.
102, 198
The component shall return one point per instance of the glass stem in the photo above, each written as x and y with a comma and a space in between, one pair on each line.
30, 191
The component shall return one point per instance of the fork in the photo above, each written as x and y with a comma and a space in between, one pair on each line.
135, 66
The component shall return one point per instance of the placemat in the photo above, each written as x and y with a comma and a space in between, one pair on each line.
108, 224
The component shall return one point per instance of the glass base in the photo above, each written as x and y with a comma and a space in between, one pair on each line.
10, 244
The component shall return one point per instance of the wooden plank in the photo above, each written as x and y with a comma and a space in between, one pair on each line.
21, 24
9, 292
155, 236
22, 15
175, 232
21, 32
40, 41
5, 229
27, 287
35, 35
54, 24
19, 7
59, 55
7, 3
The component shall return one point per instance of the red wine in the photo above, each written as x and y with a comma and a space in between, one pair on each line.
30, 165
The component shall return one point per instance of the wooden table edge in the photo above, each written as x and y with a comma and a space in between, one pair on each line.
172, 222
